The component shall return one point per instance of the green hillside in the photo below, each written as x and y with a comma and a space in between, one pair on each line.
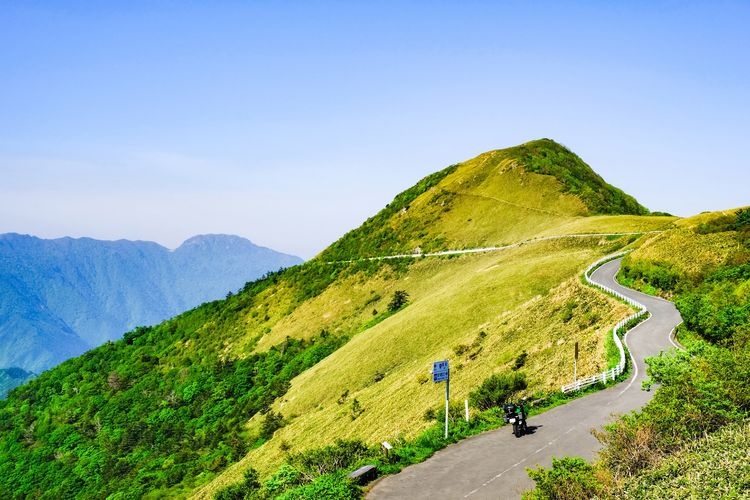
717, 466
691, 439
317, 352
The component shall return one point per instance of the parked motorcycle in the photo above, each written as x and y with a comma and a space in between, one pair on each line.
515, 414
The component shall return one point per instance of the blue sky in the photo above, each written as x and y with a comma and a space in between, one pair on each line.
290, 123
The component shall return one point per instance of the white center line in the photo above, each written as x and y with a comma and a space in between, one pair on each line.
497, 476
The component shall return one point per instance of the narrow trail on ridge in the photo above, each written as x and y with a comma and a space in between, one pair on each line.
500, 248
493, 465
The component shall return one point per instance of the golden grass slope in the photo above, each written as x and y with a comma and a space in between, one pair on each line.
489, 200
480, 311
489, 196
716, 466
685, 249
516, 297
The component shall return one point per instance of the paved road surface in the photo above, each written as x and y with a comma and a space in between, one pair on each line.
493, 465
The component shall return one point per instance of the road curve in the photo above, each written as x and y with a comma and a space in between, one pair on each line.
493, 465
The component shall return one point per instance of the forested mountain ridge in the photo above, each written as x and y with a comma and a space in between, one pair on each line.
322, 351
61, 297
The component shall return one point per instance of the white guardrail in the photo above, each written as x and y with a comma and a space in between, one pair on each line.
613, 372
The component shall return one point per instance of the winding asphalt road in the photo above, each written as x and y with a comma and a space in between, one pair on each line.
493, 465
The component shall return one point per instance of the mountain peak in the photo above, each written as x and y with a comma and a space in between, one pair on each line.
547, 157
501, 196
214, 240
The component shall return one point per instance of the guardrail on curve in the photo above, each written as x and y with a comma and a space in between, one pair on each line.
611, 373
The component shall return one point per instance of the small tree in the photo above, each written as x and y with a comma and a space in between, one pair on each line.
569, 478
743, 219
399, 300
271, 423
247, 489
497, 389
356, 409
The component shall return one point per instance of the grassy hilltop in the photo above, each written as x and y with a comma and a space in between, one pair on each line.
312, 354
498, 197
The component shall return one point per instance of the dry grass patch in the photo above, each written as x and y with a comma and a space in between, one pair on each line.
687, 251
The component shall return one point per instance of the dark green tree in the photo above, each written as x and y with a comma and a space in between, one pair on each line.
497, 389
271, 422
743, 219
399, 300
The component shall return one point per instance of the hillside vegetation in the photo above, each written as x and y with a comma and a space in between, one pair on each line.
318, 352
717, 466
61, 297
549, 158
480, 202
691, 440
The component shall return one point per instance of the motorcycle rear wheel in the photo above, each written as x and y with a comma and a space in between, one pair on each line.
517, 430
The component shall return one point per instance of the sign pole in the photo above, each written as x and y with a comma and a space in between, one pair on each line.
575, 365
447, 404
441, 372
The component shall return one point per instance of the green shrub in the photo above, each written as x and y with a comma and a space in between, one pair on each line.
286, 477
329, 486
660, 275
569, 478
329, 459
249, 488
461, 349
399, 300
497, 389
355, 409
271, 422
630, 445
717, 225
549, 158
520, 361
456, 412
719, 308
700, 392
742, 219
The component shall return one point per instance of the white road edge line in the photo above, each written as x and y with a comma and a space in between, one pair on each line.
630, 352
673, 336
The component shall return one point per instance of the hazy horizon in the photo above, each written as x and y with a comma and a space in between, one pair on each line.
290, 124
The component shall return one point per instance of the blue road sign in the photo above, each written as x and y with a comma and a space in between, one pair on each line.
440, 371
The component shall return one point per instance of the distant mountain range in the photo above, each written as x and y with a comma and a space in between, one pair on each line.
59, 298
